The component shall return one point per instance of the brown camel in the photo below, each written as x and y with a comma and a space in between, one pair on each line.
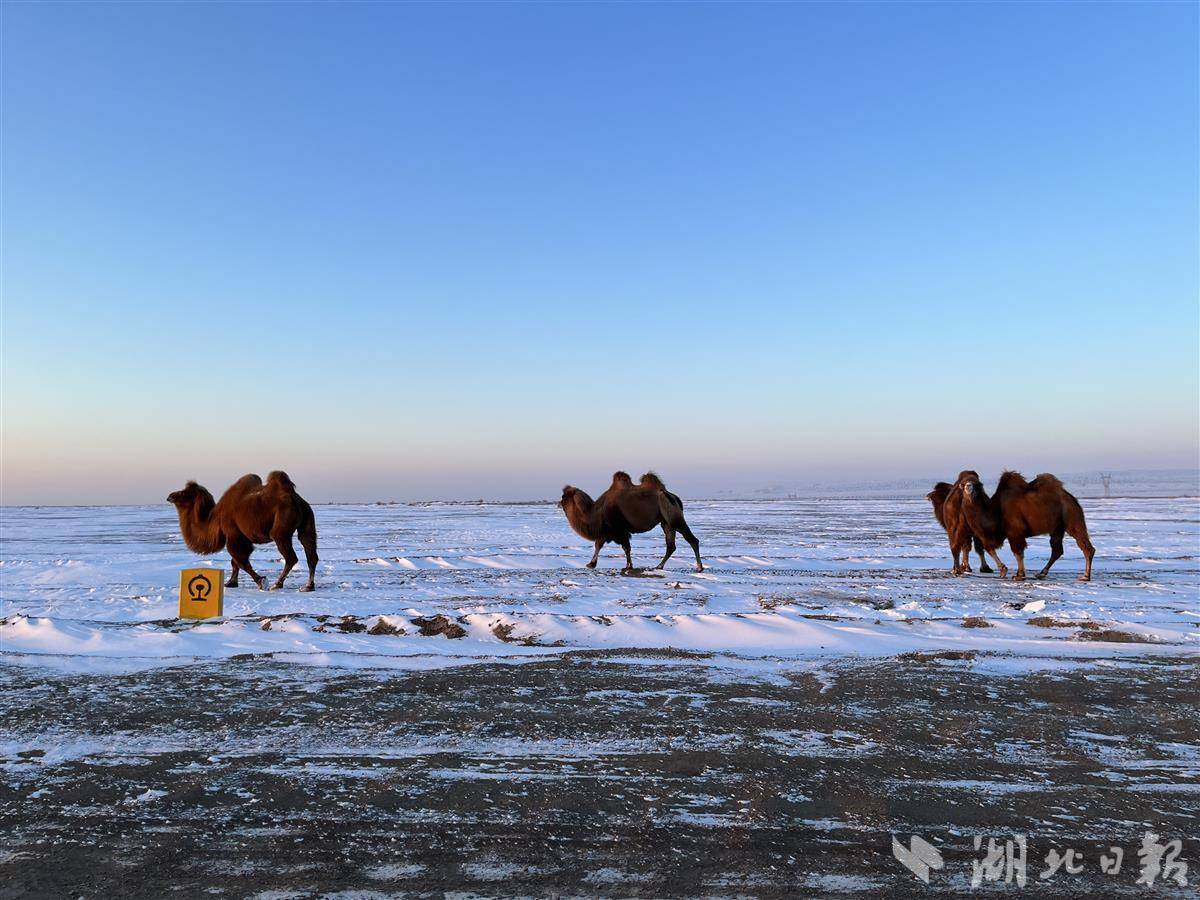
1021, 509
249, 513
947, 508
626, 509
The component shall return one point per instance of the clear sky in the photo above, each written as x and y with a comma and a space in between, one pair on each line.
477, 250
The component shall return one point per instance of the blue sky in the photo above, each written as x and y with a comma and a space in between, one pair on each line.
482, 249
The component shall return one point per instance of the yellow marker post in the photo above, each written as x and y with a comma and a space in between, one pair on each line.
201, 593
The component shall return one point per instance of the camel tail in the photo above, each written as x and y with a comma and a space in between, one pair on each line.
670, 507
308, 521
1072, 513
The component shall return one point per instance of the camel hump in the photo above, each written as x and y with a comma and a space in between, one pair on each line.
248, 481
622, 479
1046, 480
241, 487
282, 480
651, 480
1011, 479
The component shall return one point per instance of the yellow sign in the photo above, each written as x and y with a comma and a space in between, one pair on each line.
201, 593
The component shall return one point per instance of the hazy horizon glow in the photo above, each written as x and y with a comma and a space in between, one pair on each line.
416, 251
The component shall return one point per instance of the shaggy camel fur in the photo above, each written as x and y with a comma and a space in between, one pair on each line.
626, 509
1021, 509
947, 508
249, 513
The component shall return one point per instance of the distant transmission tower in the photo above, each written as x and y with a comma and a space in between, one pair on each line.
1106, 477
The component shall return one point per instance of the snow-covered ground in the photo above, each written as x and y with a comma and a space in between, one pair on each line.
94, 588
768, 727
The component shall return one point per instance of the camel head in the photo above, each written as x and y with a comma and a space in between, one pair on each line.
573, 499
186, 497
971, 487
578, 508
201, 529
938, 495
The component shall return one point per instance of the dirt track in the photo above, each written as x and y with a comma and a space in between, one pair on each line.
654, 775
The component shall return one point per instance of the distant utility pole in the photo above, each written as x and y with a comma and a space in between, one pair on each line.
1106, 477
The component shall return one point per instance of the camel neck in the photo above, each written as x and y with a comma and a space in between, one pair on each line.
200, 528
581, 514
986, 515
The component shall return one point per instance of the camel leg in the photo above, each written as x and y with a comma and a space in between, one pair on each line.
1085, 544
1056, 550
955, 569
239, 551
232, 582
984, 568
1017, 546
596, 555
308, 540
1000, 566
682, 527
283, 540
669, 534
963, 564
628, 554
960, 546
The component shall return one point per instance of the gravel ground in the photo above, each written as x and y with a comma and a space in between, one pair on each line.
588, 774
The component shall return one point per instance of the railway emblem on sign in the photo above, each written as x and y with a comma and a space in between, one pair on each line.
201, 592
198, 588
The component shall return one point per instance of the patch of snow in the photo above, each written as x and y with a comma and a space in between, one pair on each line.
790, 586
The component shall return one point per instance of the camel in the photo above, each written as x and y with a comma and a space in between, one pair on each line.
626, 509
249, 513
1021, 509
947, 508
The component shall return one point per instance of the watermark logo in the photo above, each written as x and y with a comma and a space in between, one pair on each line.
1161, 860
1007, 861
1002, 862
919, 857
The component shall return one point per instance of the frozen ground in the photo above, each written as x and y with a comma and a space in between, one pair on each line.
95, 588
763, 729
651, 774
